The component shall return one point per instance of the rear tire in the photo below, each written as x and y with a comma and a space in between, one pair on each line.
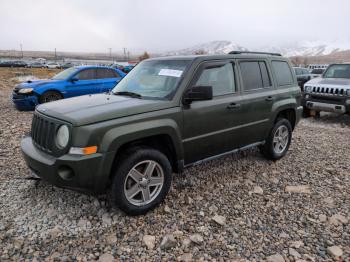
141, 180
278, 141
50, 96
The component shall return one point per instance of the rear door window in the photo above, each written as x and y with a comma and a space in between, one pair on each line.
254, 75
283, 73
86, 74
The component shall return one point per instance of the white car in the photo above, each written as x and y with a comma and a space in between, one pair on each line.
53, 65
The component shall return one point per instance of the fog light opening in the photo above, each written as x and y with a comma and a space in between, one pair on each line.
65, 172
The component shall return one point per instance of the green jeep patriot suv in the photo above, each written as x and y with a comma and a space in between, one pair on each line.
166, 114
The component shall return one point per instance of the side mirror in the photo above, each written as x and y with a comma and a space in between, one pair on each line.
74, 79
198, 93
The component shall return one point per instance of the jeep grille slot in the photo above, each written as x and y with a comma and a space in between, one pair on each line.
328, 90
43, 132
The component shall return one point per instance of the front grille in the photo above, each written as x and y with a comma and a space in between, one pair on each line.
43, 133
329, 90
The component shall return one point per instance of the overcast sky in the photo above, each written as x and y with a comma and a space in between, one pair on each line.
163, 25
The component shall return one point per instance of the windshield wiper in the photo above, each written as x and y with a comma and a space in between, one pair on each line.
127, 93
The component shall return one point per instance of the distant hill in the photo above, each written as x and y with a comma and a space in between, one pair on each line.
315, 52
300, 53
214, 47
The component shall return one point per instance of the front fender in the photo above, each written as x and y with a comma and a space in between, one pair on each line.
57, 87
119, 136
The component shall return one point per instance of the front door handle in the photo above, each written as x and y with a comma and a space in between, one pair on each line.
269, 98
233, 106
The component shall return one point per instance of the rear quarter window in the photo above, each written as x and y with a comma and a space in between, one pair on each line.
283, 73
106, 73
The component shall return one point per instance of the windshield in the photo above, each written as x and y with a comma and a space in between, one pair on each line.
157, 79
338, 71
65, 74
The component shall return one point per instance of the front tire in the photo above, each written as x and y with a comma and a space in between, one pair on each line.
141, 180
278, 141
50, 96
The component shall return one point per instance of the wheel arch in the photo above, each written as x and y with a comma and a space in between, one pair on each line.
42, 91
162, 135
160, 142
288, 113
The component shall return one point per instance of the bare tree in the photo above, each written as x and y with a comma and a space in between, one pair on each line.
200, 52
144, 56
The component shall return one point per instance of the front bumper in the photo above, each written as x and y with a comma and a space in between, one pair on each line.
333, 103
326, 107
84, 173
24, 102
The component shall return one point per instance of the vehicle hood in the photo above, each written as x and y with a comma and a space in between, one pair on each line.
88, 109
330, 82
36, 83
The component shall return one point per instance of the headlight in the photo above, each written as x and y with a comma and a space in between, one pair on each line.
25, 90
62, 136
308, 89
348, 92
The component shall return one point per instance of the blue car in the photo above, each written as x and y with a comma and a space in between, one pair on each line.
74, 81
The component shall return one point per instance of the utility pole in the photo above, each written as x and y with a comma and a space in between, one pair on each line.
55, 55
21, 50
110, 53
124, 53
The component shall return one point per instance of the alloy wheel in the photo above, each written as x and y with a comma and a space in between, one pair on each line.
280, 139
144, 183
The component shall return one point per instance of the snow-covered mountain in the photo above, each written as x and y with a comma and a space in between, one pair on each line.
308, 48
214, 47
298, 49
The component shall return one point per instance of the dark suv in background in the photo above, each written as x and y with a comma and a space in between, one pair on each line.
303, 75
165, 115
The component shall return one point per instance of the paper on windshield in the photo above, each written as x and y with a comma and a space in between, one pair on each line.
170, 72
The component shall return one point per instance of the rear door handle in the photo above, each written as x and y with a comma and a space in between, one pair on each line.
269, 98
233, 106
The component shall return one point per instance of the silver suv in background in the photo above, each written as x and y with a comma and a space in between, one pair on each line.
331, 92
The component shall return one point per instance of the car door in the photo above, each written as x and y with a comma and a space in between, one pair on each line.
107, 79
210, 126
257, 98
82, 83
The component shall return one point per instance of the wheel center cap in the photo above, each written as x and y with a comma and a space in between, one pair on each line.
144, 182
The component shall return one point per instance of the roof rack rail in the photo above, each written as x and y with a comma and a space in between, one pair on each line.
254, 53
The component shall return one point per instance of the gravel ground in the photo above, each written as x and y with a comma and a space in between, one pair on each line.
239, 208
